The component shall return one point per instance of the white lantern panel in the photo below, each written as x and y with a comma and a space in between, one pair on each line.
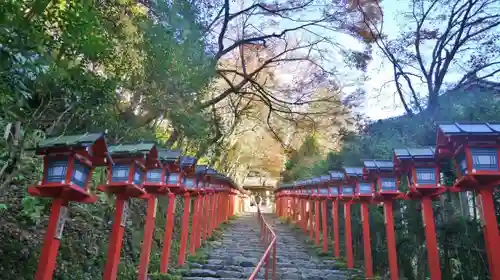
365, 188
484, 159
388, 184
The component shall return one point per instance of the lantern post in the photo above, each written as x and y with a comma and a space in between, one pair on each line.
347, 196
317, 225
67, 170
155, 184
386, 191
295, 204
196, 189
475, 149
210, 202
310, 194
126, 174
421, 168
188, 167
202, 185
301, 193
172, 178
363, 194
298, 192
337, 177
323, 195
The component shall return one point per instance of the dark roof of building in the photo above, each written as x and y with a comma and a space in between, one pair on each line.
82, 140
469, 128
379, 165
353, 171
337, 175
138, 148
169, 156
415, 153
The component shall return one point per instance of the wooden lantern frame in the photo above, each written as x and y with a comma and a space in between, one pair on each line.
376, 170
88, 150
408, 161
202, 180
316, 183
324, 190
456, 139
138, 155
337, 178
167, 161
187, 166
356, 176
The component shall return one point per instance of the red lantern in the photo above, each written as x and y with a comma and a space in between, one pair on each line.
127, 170
126, 174
67, 171
387, 182
157, 176
68, 164
422, 169
475, 148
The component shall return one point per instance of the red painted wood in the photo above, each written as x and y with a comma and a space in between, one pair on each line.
48, 255
306, 217
194, 226
336, 231
491, 233
430, 238
348, 235
317, 224
184, 230
391, 240
324, 226
169, 230
311, 229
367, 247
115, 242
149, 228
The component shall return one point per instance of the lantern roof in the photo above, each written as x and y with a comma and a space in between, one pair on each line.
353, 171
470, 128
284, 186
211, 171
188, 161
415, 153
142, 148
169, 156
80, 140
201, 169
378, 165
325, 178
336, 175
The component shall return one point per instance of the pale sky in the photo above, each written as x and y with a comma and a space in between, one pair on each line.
378, 104
381, 105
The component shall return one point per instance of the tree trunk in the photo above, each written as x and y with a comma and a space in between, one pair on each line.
172, 139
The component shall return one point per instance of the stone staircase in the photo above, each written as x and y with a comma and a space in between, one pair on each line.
239, 251
295, 261
235, 255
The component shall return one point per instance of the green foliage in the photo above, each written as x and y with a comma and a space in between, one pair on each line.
86, 66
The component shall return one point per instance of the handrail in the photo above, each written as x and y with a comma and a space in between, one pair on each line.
267, 237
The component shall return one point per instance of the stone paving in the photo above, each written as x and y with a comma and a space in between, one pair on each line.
239, 250
235, 255
295, 261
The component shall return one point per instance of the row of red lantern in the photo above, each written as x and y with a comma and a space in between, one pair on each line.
133, 171
474, 149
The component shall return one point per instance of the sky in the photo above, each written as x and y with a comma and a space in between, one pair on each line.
378, 104
381, 105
